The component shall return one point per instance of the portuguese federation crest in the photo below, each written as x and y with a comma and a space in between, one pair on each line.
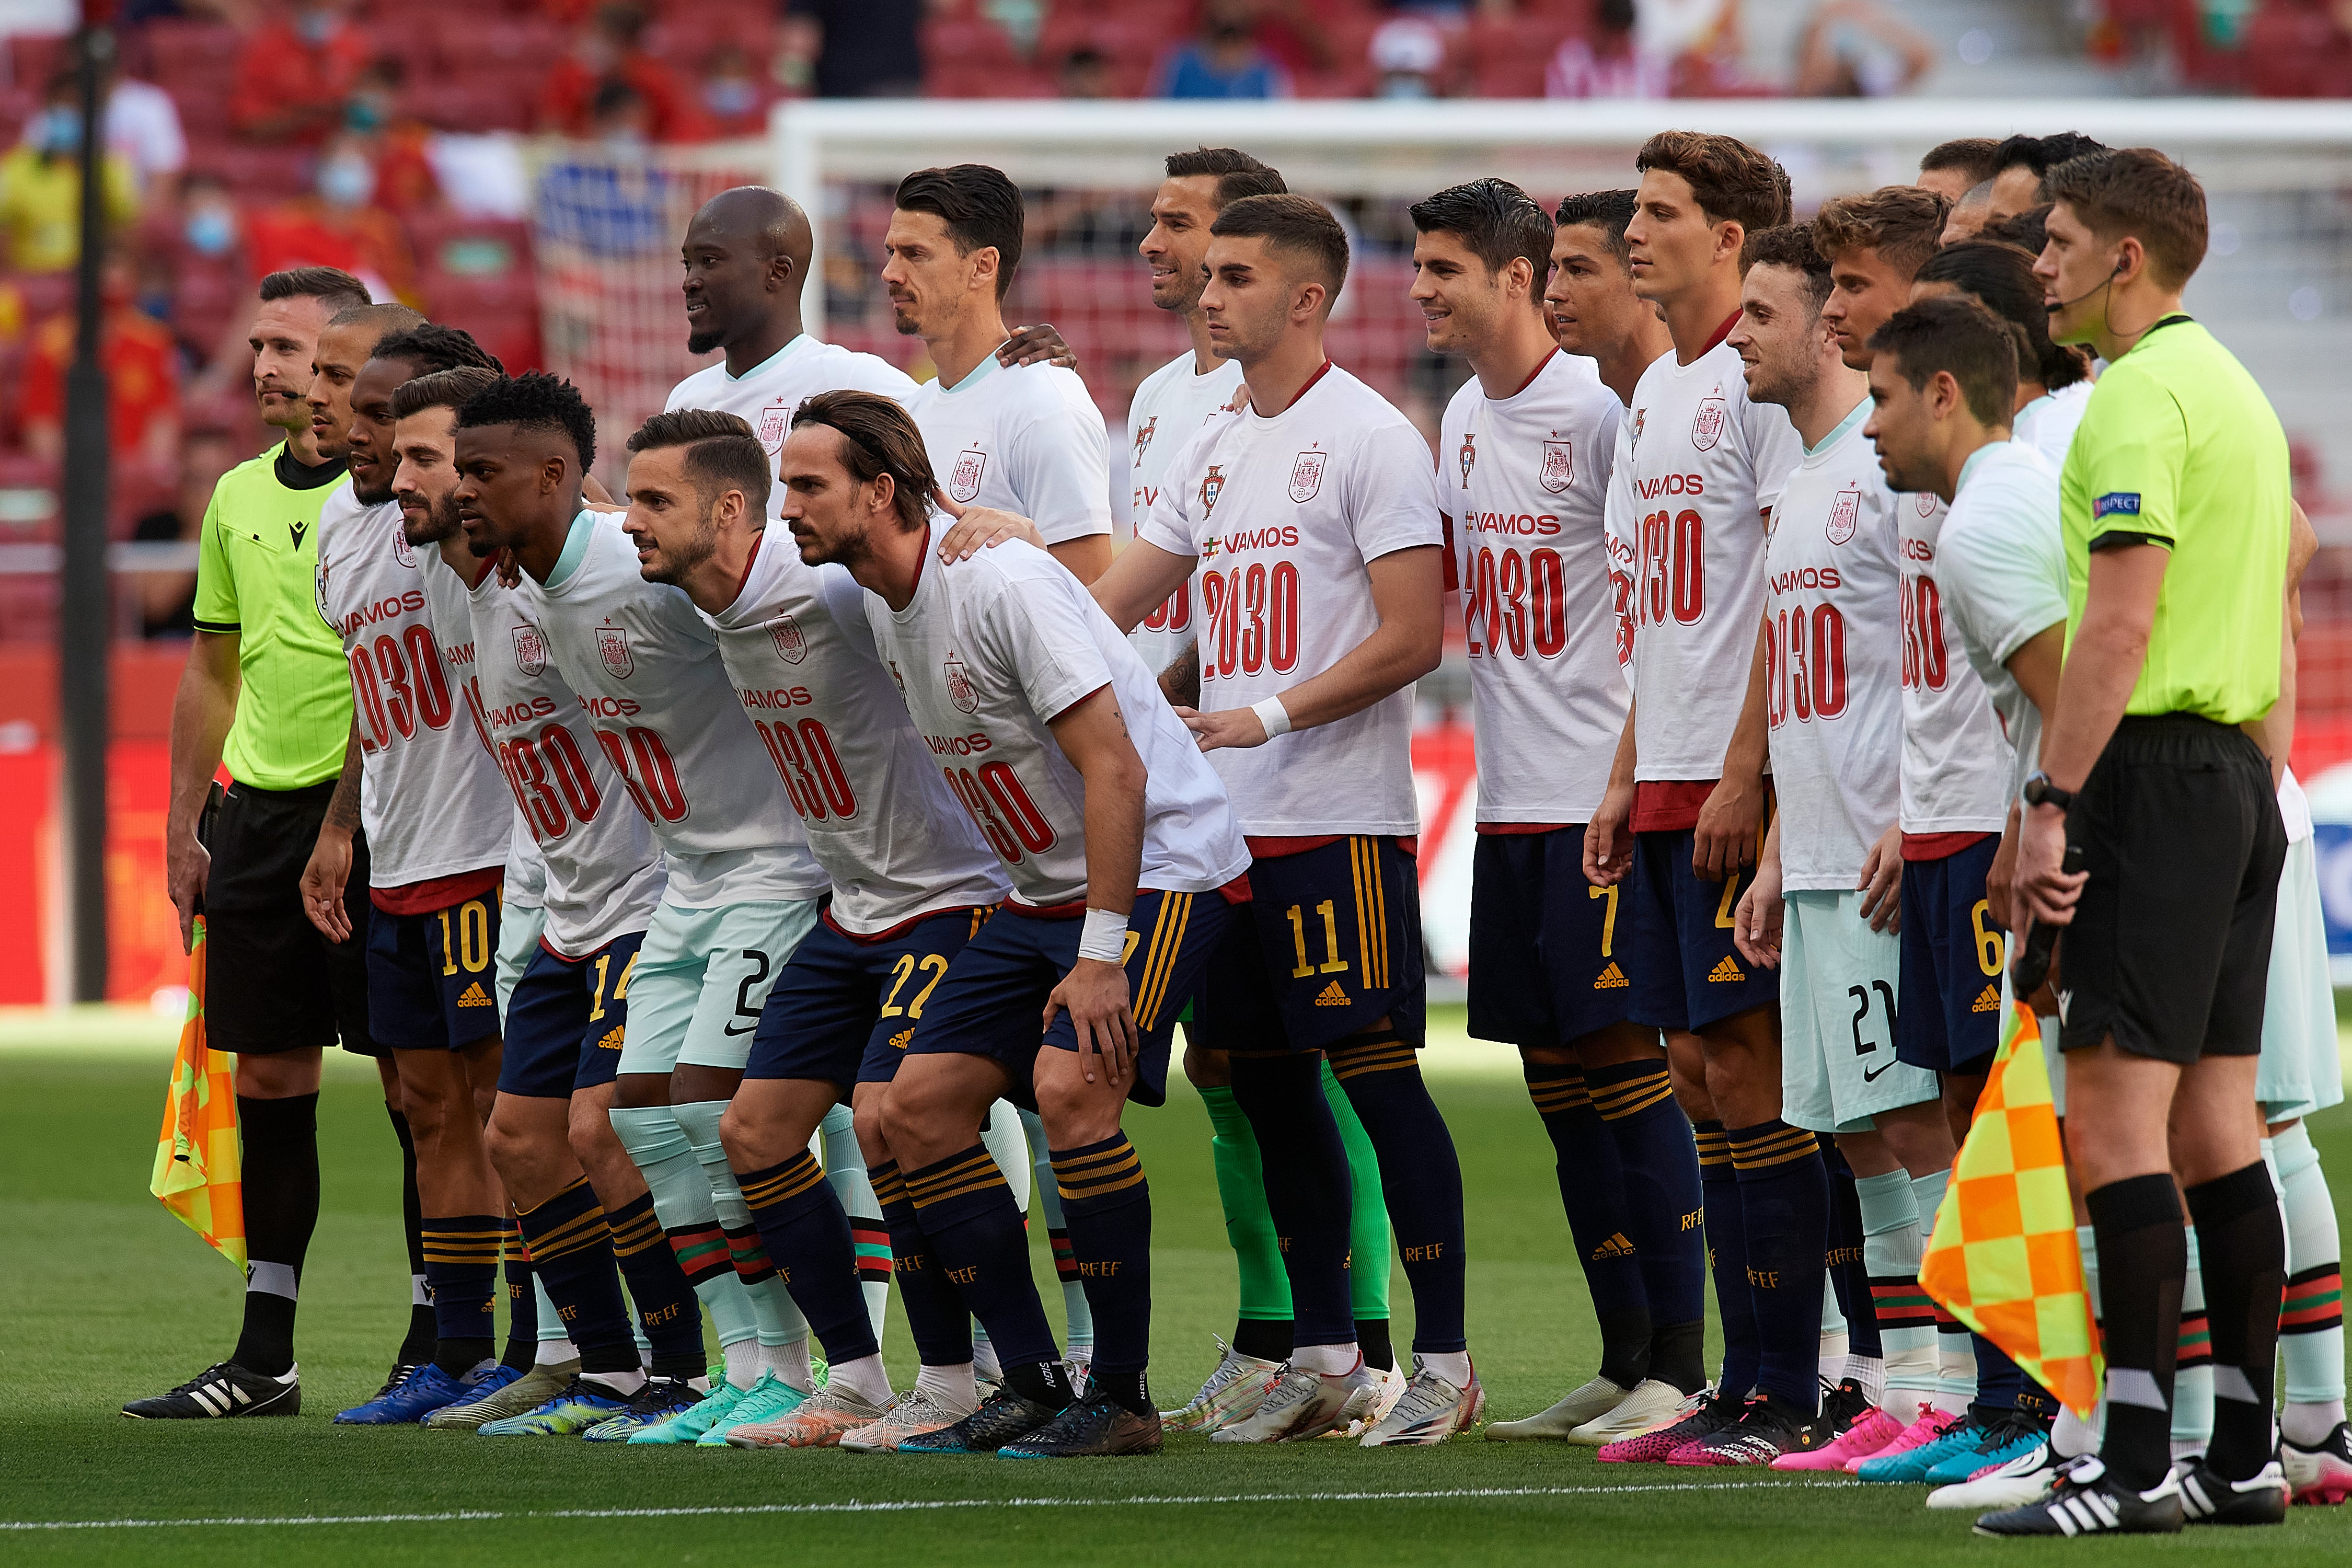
1559, 469
964, 482
960, 691
1213, 485
531, 649
1143, 437
1844, 511
1468, 457
613, 648
1706, 425
1306, 477
791, 647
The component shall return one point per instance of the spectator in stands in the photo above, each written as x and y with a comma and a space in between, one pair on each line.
1086, 73
610, 49
1951, 169
167, 599
1860, 49
340, 225
143, 125
1612, 63
40, 185
295, 72
858, 48
2020, 163
1224, 60
210, 220
733, 96
1408, 54
142, 378
394, 142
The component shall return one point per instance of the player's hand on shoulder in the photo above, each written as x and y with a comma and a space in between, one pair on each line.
1038, 344
979, 528
1881, 882
1229, 728
1095, 994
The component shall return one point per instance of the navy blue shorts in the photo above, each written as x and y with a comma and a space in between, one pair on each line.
1952, 953
566, 1021
995, 990
1686, 972
1330, 944
433, 979
1545, 967
845, 1009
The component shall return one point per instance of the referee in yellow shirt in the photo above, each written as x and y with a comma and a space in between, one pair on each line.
265, 691
2175, 506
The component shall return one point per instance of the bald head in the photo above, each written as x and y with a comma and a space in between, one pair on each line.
746, 254
758, 215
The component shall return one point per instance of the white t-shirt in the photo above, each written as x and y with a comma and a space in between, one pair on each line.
1955, 762
2047, 424
1833, 660
1168, 409
647, 667
1286, 514
1025, 438
987, 654
142, 123
880, 819
1524, 483
446, 601
1702, 465
429, 799
2003, 577
601, 876
767, 394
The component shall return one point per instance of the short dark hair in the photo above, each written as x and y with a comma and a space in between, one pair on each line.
387, 317
877, 438
1733, 181
1608, 210
1237, 174
1969, 155
1297, 226
980, 207
332, 287
1999, 277
535, 401
2042, 153
1902, 223
1963, 338
431, 346
1495, 218
447, 388
2138, 191
2028, 230
1795, 246
721, 452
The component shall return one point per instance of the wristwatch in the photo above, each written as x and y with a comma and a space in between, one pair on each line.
2040, 791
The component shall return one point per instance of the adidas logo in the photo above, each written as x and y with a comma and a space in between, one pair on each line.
1332, 996
1611, 979
1726, 970
474, 996
898, 1041
1615, 1246
1988, 1000
611, 1040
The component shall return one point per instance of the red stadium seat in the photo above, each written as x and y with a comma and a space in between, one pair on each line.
2294, 49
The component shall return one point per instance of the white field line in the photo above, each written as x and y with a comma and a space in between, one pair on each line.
930, 1505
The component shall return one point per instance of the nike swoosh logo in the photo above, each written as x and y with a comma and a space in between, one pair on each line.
1870, 1077
746, 1029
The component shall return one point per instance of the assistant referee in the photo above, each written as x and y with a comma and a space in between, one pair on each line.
265, 691
2175, 505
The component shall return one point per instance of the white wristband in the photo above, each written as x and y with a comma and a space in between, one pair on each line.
1273, 715
1104, 937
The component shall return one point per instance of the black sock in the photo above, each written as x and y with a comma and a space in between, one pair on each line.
416, 1348
980, 1242
522, 1304
461, 1270
1659, 1166
1420, 1180
1726, 1255
1373, 1339
666, 1308
572, 1248
1268, 1338
1307, 1192
935, 1313
1784, 1201
280, 1176
1039, 1382
806, 1232
2241, 1258
1107, 1204
1592, 1191
1678, 1355
2143, 1261
1847, 1274
1127, 1387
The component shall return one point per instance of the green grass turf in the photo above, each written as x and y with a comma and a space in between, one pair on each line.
107, 1298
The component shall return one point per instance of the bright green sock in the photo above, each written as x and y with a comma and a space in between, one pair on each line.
1249, 1224
1368, 1226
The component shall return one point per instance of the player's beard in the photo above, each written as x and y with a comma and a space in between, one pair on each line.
441, 523
1785, 389
704, 341
680, 559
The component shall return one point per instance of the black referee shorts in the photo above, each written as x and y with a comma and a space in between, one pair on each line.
272, 982
2169, 950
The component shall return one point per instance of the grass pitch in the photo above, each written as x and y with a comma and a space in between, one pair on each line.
109, 1298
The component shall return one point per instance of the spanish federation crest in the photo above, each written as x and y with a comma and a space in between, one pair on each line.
1306, 477
1926, 501
1143, 437
791, 647
1213, 485
775, 422
1558, 465
613, 648
964, 482
1706, 425
960, 691
402, 551
531, 649
1468, 456
1844, 511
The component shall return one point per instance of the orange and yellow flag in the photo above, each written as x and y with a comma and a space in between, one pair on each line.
198, 1161
2003, 1258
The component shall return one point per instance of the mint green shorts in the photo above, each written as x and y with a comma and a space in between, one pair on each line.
701, 979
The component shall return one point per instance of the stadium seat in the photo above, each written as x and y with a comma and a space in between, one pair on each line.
2294, 49
253, 174
1506, 56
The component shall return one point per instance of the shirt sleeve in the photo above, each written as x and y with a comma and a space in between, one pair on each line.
1037, 627
2004, 574
1061, 462
845, 602
215, 608
1168, 523
2128, 452
1617, 528
1391, 498
1774, 450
